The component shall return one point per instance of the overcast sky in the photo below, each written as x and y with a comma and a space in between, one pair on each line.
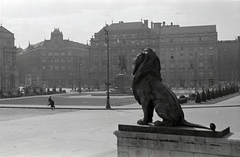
34, 20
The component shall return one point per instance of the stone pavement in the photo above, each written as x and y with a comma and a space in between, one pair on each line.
88, 132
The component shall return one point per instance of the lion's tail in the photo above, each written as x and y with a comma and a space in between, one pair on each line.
189, 124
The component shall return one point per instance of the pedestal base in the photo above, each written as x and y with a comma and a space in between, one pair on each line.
150, 141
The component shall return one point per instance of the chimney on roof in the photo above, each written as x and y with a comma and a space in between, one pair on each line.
163, 23
146, 22
152, 25
171, 23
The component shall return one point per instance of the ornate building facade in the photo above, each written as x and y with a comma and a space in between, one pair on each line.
229, 61
8, 68
188, 55
125, 39
54, 63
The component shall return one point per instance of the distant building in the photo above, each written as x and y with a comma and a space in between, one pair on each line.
8, 69
126, 39
54, 63
229, 61
188, 54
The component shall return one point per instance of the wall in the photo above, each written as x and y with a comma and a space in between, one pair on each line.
137, 144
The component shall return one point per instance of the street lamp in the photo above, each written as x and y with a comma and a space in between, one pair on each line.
107, 43
80, 90
196, 75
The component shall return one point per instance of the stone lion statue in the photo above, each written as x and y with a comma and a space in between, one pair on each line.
151, 93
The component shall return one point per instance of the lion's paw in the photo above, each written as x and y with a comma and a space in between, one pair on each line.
158, 123
142, 122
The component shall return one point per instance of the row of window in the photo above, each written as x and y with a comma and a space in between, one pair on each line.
124, 42
68, 60
188, 48
131, 35
56, 53
198, 74
191, 55
186, 40
60, 67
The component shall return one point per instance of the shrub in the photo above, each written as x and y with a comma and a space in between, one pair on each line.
203, 96
223, 92
220, 92
192, 96
54, 90
198, 98
237, 89
208, 95
212, 94
216, 93
26, 91
1, 93
34, 91
18, 92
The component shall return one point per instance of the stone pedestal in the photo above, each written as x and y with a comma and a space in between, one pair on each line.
123, 83
149, 141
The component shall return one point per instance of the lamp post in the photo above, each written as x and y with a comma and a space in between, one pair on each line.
80, 89
107, 43
196, 75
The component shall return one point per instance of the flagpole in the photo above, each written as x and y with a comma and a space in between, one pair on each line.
107, 42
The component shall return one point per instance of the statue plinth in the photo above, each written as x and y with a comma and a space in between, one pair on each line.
123, 84
136, 140
176, 130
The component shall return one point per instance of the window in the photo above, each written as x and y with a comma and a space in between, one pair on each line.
162, 57
181, 65
201, 74
62, 60
56, 67
62, 53
181, 56
163, 65
210, 74
191, 64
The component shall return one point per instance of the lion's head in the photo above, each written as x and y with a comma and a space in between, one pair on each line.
147, 60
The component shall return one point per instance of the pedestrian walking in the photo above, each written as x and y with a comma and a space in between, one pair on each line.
51, 103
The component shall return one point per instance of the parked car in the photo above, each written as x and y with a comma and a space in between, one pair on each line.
182, 99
